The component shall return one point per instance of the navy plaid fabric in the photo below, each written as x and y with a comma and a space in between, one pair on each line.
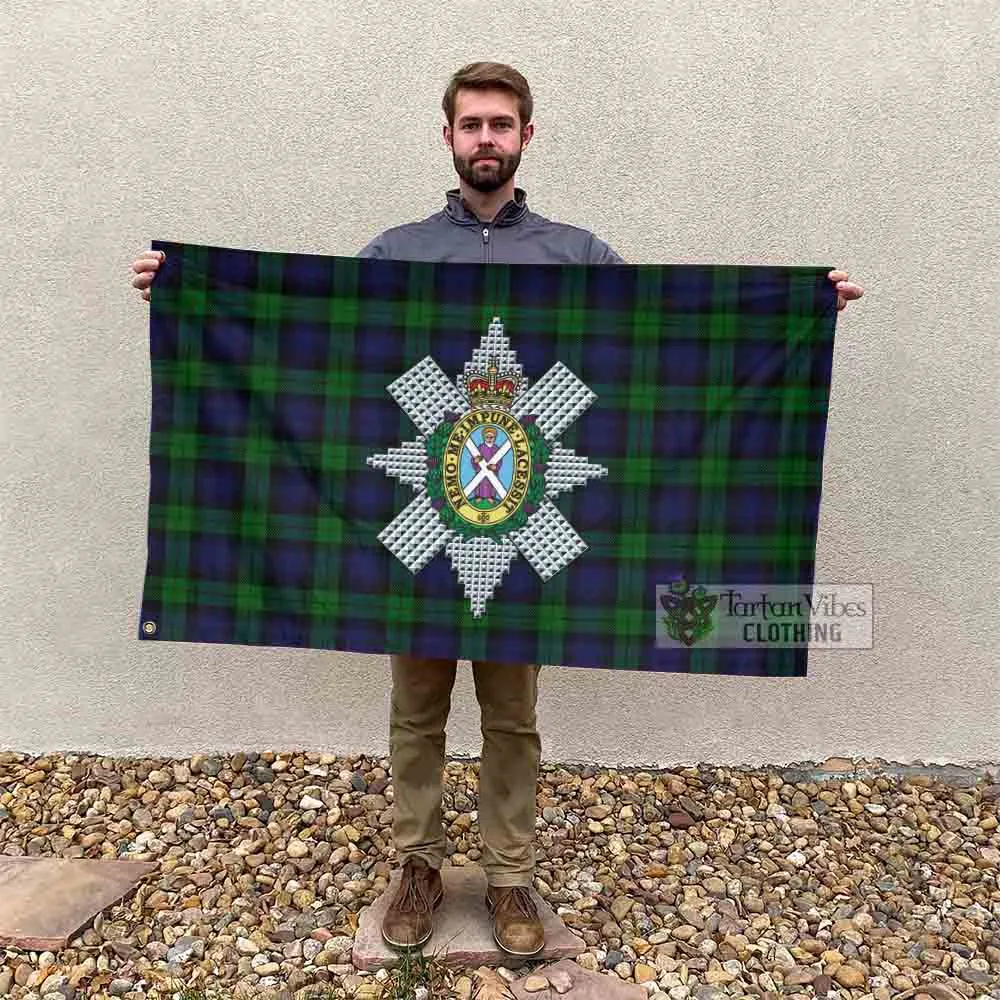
269, 394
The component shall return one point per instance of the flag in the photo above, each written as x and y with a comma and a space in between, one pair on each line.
508, 462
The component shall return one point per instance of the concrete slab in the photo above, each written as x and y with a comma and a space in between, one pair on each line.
463, 930
845, 768
45, 901
578, 984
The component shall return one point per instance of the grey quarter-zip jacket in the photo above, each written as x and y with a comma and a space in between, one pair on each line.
516, 236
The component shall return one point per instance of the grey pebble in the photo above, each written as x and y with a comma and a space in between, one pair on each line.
975, 976
183, 949
709, 993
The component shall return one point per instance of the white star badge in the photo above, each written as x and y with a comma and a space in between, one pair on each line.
486, 466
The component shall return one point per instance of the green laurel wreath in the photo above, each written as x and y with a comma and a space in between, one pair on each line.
435, 446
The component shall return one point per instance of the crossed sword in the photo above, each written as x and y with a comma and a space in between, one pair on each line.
484, 472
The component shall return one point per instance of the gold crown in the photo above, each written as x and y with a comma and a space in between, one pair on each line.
492, 388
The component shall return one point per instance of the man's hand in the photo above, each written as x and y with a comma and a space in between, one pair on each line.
145, 267
846, 290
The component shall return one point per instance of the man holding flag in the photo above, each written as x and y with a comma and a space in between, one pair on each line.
488, 109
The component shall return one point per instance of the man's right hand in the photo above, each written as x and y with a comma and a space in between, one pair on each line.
145, 267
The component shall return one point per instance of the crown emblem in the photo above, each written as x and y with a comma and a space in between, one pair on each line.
492, 389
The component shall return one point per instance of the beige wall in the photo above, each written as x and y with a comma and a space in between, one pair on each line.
852, 135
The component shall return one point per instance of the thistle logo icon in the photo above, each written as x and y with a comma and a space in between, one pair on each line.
689, 612
486, 467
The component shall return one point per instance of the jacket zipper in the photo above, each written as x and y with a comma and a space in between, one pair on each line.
486, 244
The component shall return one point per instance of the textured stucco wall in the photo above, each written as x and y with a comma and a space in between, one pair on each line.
853, 135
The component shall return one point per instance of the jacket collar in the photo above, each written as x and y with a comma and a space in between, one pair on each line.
511, 213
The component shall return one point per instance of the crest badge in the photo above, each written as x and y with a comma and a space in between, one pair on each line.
486, 466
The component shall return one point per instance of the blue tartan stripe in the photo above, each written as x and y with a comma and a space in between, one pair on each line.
269, 376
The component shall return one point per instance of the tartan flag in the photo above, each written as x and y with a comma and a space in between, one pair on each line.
478, 461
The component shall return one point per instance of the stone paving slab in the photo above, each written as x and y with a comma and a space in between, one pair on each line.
45, 901
840, 768
463, 930
583, 985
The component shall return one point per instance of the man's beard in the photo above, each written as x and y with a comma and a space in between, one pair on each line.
488, 178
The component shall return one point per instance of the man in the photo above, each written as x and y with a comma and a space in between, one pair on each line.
485, 490
488, 109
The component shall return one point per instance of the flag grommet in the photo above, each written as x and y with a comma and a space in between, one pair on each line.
149, 627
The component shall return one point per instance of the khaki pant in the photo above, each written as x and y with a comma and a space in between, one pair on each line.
508, 773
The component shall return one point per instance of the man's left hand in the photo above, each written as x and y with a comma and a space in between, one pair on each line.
846, 290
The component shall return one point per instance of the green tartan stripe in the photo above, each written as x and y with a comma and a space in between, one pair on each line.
795, 398
322, 602
344, 384
635, 545
713, 470
337, 383
258, 450
421, 314
335, 456
261, 525
184, 414
715, 467
640, 431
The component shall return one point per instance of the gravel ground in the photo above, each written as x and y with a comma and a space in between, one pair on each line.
700, 883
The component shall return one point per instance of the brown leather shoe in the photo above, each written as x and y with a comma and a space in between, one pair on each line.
516, 924
407, 922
